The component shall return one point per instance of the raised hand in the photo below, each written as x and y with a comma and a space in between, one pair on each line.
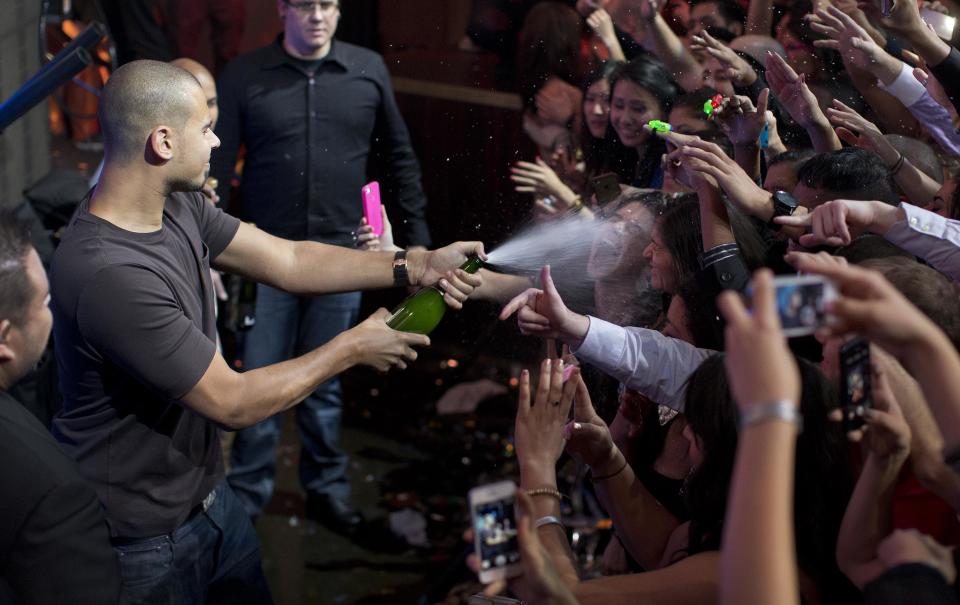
886, 433
850, 123
733, 67
602, 25
543, 313
741, 121
538, 178
755, 340
792, 92
710, 160
539, 436
588, 436
846, 36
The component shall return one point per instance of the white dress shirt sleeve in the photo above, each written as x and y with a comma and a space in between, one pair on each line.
646, 361
931, 237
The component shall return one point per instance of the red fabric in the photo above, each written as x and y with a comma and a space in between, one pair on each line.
916, 507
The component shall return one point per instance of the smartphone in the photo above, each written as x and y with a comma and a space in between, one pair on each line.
801, 302
371, 207
856, 392
944, 25
492, 508
606, 187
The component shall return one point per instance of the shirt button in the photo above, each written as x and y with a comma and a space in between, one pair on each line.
313, 114
913, 220
926, 227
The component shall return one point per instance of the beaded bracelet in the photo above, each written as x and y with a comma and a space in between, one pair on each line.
545, 491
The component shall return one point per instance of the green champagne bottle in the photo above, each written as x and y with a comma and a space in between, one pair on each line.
422, 311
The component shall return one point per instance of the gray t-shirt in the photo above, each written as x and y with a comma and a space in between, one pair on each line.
134, 331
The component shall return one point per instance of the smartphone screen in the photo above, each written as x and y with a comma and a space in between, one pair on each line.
606, 187
496, 531
856, 394
801, 302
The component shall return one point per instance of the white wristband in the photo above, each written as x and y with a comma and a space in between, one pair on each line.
548, 520
784, 410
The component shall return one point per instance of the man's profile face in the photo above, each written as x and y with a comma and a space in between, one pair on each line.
28, 339
309, 25
194, 144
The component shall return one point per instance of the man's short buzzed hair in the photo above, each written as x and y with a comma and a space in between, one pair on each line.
15, 290
140, 96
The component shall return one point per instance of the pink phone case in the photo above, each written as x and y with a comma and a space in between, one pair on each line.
371, 206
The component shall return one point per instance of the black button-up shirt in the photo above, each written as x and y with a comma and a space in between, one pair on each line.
309, 135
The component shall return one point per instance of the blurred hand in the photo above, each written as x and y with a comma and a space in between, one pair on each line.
210, 193
759, 365
542, 313
602, 25
539, 435
869, 306
558, 101
886, 434
910, 546
379, 346
733, 67
539, 179
839, 222
741, 121
441, 267
904, 16
853, 42
218, 288
870, 138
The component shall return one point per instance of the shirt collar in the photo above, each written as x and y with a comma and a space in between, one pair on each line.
278, 56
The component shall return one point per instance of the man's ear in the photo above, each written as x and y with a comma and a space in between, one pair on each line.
161, 142
6, 352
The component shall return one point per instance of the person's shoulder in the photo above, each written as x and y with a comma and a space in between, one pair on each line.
358, 55
30, 452
243, 65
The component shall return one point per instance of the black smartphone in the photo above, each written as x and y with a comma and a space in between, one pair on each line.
856, 389
606, 187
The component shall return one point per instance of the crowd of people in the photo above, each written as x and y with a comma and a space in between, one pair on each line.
817, 138
705, 146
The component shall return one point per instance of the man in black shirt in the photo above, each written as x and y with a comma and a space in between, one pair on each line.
144, 387
54, 546
311, 112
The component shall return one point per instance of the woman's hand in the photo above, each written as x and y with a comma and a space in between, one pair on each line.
538, 178
588, 436
886, 434
366, 239
733, 67
541, 417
